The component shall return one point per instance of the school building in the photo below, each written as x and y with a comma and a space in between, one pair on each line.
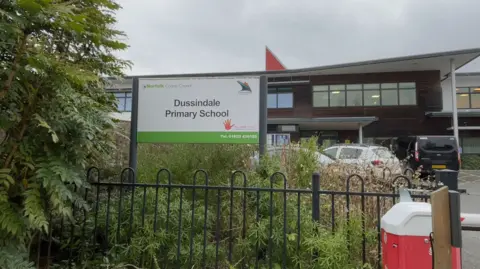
369, 102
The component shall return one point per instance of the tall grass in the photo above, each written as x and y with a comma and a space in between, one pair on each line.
226, 228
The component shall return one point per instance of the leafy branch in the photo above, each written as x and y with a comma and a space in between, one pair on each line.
54, 109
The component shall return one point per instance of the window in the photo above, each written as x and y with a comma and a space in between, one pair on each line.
124, 101
354, 95
437, 144
468, 97
320, 96
373, 94
278, 139
331, 152
407, 94
389, 94
280, 98
470, 145
350, 153
383, 153
337, 95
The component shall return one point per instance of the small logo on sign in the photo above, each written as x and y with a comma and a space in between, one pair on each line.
228, 124
153, 86
245, 88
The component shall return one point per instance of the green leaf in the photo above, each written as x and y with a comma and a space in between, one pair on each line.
33, 208
15, 256
44, 124
30, 5
292, 237
7, 180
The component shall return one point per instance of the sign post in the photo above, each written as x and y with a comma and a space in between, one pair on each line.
132, 158
217, 110
263, 114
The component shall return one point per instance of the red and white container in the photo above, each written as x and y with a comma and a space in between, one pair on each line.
405, 233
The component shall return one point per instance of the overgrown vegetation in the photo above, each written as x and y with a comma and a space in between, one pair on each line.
220, 222
54, 115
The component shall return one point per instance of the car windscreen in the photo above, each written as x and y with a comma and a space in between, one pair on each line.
437, 143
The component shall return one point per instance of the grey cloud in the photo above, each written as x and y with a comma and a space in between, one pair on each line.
185, 36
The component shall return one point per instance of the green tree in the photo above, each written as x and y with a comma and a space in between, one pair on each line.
54, 118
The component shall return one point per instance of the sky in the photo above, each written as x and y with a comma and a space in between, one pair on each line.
200, 36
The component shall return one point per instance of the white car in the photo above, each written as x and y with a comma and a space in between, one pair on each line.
377, 159
278, 151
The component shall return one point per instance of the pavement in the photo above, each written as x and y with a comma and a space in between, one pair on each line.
470, 203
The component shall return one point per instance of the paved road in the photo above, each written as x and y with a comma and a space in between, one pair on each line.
470, 203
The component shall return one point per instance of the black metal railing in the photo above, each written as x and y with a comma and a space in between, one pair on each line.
245, 223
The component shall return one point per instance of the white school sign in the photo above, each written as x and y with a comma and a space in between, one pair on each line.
198, 110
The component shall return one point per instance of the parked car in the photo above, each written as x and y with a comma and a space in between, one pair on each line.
429, 153
366, 158
278, 151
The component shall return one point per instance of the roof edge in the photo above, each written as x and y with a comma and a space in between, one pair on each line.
467, 74
328, 119
443, 114
319, 68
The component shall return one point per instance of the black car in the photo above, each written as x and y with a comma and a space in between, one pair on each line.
429, 152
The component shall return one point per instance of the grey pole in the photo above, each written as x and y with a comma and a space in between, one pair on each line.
132, 162
360, 134
263, 115
454, 102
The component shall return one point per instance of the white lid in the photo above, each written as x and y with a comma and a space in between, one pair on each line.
408, 218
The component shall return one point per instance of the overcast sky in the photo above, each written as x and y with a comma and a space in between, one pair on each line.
198, 36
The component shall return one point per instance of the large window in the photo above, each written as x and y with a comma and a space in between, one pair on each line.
374, 94
470, 145
320, 96
280, 97
124, 101
468, 97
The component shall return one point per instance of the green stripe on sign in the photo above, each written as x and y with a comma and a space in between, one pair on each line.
198, 137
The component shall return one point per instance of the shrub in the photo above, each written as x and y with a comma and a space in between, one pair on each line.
54, 118
471, 162
226, 228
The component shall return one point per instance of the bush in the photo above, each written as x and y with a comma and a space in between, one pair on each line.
471, 162
226, 228
55, 113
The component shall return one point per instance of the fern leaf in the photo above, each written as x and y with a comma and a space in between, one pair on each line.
14, 257
11, 223
44, 124
33, 208
5, 179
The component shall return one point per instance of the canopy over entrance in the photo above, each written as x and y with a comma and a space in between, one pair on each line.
327, 124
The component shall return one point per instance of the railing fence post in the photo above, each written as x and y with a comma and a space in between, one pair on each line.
316, 196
